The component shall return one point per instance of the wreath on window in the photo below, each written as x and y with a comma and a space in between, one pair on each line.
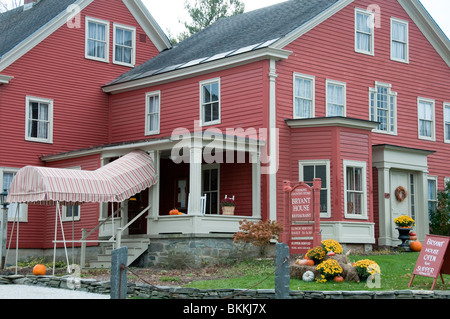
401, 193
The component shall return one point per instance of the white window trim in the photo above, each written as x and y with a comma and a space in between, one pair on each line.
337, 83
24, 207
372, 44
363, 165
313, 97
446, 105
326, 214
433, 128
406, 23
86, 55
133, 51
29, 99
435, 179
390, 93
210, 167
206, 82
147, 120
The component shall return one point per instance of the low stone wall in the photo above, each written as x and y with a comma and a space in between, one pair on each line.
157, 292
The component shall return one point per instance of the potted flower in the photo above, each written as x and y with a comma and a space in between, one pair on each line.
228, 205
404, 224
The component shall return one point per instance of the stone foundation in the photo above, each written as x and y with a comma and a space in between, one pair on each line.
181, 250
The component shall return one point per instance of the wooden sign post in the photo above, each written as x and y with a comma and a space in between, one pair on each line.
434, 259
302, 207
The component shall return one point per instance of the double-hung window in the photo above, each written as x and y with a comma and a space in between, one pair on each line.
153, 109
355, 199
39, 120
97, 39
336, 98
210, 102
304, 94
318, 169
447, 122
426, 119
432, 193
399, 40
124, 45
364, 31
383, 108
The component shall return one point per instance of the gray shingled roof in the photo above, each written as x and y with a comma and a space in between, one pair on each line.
17, 25
229, 36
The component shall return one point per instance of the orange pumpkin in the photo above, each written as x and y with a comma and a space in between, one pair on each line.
415, 246
309, 262
338, 278
39, 270
174, 212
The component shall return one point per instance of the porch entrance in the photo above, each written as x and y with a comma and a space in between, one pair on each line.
407, 180
136, 204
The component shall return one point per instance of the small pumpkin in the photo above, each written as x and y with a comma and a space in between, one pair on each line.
338, 278
174, 212
411, 233
415, 246
308, 276
301, 262
39, 270
309, 262
412, 237
331, 253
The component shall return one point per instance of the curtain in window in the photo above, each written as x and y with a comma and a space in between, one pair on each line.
431, 195
425, 119
38, 120
124, 45
96, 40
303, 98
354, 191
335, 97
363, 32
153, 113
399, 40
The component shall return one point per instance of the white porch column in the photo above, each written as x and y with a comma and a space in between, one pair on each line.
154, 190
256, 184
422, 215
273, 142
195, 180
384, 207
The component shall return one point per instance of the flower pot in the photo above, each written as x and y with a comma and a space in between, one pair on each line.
228, 210
403, 236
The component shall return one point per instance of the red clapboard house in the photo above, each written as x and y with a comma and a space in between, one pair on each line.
352, 92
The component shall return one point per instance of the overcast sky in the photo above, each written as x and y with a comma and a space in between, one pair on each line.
168, 13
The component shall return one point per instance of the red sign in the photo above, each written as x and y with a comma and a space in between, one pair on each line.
300, 231
301, 246
434, 258
301, 203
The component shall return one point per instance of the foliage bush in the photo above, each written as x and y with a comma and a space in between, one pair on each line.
440, 217
259, 234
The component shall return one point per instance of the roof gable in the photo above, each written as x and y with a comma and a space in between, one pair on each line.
21, 29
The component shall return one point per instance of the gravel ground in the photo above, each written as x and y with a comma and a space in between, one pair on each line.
33, 292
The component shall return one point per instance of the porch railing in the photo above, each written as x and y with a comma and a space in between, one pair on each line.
120, 230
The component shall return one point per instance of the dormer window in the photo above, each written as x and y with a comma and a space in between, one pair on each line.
97, 39
124, 45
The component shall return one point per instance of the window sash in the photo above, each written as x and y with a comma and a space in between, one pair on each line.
364, 32
123, 45
447, 123
336, 99
399, 40
97, 40
210, 105
355, 189
210, 187
426, 119
303, 97
383, 104
153, 113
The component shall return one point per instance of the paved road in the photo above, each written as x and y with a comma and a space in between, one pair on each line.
34, 292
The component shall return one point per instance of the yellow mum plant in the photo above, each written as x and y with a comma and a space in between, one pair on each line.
329, 269
316, 254
404, 221
332, 245
366, 267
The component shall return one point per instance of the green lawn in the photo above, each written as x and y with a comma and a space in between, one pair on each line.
396, 272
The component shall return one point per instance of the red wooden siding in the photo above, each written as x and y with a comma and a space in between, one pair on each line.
57, 69
327, 52
241, 104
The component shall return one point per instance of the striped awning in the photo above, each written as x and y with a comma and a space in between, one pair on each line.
114, 182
